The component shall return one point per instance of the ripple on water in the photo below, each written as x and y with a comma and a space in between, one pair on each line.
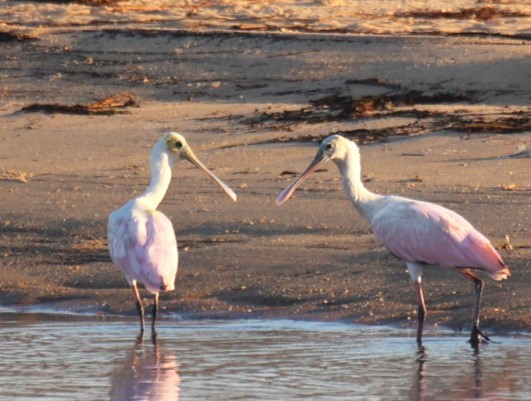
48, 357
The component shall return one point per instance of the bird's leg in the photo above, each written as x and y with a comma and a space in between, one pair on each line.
421, 311
154, 312
415, 272
476, 336
139, 306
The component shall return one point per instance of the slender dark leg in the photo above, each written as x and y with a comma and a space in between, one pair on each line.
139, 306
476, 336
155, 312
421, 311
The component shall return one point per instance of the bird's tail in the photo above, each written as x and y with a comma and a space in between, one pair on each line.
167, 286
487, 258
501, 273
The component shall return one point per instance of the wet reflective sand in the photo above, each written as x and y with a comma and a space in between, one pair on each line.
84, 358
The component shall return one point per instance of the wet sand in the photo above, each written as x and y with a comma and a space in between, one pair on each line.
243, 100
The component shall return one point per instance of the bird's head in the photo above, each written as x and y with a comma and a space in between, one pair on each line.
333, 147
177, 146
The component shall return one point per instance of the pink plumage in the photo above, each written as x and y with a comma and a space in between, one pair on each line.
141, 239
426, 233
143, 246
420, 233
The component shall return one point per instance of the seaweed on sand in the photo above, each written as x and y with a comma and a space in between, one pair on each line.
108, 106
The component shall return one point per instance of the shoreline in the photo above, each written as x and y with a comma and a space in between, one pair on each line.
430, 330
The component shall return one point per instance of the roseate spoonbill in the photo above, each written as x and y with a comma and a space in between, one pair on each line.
419, 233
141, 239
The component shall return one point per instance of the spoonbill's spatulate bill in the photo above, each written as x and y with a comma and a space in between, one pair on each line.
419, 233
141, 239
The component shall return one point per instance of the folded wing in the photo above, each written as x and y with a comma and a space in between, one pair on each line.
144, 247
424, 232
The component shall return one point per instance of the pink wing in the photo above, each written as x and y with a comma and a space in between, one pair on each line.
143, 246
424, 232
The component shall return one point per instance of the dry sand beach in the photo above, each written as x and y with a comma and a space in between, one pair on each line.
438, 102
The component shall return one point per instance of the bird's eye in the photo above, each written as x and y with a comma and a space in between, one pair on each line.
178, 144
329, 146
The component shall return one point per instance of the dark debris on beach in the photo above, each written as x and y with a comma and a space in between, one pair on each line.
8, 36
485, 13
337, 108
108, 106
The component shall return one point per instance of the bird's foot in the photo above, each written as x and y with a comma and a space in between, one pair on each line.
154, 337
477, 337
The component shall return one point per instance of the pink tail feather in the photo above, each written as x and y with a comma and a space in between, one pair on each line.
497, 269
501, 274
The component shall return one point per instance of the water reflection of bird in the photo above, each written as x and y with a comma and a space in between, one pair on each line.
141, 239
460, 385
420, 233
419, 385
146, 374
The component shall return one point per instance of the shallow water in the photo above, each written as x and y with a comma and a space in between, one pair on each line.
50, 357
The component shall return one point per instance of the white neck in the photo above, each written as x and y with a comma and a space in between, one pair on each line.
365, 201
161, 165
